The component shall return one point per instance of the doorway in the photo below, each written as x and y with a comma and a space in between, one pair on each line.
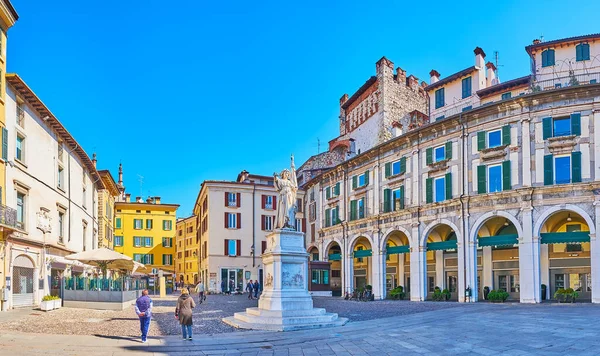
508, 281
452, 284
580, 280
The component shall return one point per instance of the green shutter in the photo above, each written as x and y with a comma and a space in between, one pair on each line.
429, 190
163, 258
337, 214
366, 178
327, 217
506, 135
576, 124
353, 205
481, 179
386, 200
548, 170
576, 167
401, 197
429, 155
4, 144
388, 169
354, 182
448, 185
403, 165
506, 182
327, 192
578, 52
547, 127
448, 150
481, 140
337, 188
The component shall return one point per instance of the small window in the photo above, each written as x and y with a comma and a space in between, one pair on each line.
20, 115
137, 224
582, 52
562, 126
396, 168
361, 208
118, 223
440, 189
269, 202
361, 180
494, 138
506, 96
548, 58
60, 178
439, 98
137, 241
20, 152
231, 199
466, 87
562, 169
440, 153
495, 178
148, 242
397, 200
118, 240
232, 247
231, 221
440, 118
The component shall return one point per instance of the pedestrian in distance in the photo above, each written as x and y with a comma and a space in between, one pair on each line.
200, 291
223, 285
183, 312
143, 309
249, 288
255, 286
231, 286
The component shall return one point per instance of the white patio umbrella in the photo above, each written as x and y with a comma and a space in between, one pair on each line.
106, 259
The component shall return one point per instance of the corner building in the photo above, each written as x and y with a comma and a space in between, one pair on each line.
500, 189
187, 251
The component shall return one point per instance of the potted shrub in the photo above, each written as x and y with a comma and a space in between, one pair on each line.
437, 294
47, 303
570, 295
486, 291
559, 295
397, 293
57, 302
446, 294
498, 296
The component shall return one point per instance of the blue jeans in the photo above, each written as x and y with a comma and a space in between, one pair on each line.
186, 330
144, 325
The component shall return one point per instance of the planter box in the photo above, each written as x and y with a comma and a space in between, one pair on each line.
57, 303
47, 305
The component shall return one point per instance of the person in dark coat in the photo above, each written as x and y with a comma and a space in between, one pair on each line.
255, 287
183, 312
223, 286
249, 287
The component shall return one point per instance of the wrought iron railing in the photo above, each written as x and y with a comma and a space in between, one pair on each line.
8, 216
564, 82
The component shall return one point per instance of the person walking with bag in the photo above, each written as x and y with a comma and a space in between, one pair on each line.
200, 291
249, 287
183, 312
255, 286
143, 309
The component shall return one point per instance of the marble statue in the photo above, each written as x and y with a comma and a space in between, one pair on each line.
287, 187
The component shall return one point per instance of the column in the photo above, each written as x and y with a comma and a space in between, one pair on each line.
379, 273
415, 175
526, 152
488, 268
595, 255
470, 266
400, 273
348, 271
440, 281
544, 268
376, 184
529, 260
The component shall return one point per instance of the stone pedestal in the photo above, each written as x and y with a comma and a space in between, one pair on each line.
285, 303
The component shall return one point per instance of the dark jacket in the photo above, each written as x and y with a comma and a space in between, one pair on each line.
256, 285
185, 304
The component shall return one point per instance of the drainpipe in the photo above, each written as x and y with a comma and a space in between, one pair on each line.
465, 241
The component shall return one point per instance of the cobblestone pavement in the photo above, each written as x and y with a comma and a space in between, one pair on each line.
481, 328
490, 329
207, 316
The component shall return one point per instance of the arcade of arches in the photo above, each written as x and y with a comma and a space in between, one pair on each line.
497, 253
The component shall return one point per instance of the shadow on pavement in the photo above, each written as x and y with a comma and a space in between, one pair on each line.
129, 338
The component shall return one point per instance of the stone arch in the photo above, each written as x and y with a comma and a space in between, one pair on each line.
311, 246
352, 241
485, 217
23, 261
327, 245
568, 207
389, 232
433, 225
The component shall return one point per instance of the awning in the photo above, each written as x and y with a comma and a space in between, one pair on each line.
500, 240
58, 265
393, 250
363, 253
444, 245
335, 257
565, 237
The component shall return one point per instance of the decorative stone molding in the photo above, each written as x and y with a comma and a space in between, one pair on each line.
493, 153
438, 166
561, 144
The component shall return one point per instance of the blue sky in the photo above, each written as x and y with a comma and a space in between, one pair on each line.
186, 91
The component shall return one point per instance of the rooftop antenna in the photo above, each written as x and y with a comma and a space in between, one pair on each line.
318, 146
141, 180
497, 60
542, 37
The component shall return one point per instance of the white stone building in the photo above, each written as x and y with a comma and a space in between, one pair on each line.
233, 219
504, 194
54, 186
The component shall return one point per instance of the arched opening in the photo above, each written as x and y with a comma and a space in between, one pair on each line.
319, 272
334, 256
23, 286
498, 257
397, 262
442, 261
362, 254
565, 254
313, 254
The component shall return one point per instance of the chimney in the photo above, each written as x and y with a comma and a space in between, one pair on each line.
128, 198
94, 160
490, 75
536, 41
156, 200
434, 76
138, 200
149, 200
479, 57
400, 75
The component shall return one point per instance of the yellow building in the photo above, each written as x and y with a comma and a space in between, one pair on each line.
8, 214
187, 248
145, 230
106, 204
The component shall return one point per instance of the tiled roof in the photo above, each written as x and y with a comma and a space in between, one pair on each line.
504, 86
531, 47
454, 76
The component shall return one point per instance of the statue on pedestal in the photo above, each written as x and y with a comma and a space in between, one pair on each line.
287, 187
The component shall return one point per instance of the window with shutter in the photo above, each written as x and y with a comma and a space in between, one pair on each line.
448, 153
439, 98
238, 245
4, 144
506, 135
548, 170
337, 189
506, 178
353, 205
582, 52
494, 178
429, 155
481, 179
354, 182
328, 193
387, 195
575, 167
429, 190
448, 181
263, 247
466, 87
327, 217
481, 140
576, 124
506, 96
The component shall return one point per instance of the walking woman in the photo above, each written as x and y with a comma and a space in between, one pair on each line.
183, 312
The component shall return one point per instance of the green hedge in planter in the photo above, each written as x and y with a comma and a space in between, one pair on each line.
49, 297
566, 295
497, 296
397, 293
440, 295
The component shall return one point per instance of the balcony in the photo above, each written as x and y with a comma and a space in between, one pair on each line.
565, 82
8, 217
